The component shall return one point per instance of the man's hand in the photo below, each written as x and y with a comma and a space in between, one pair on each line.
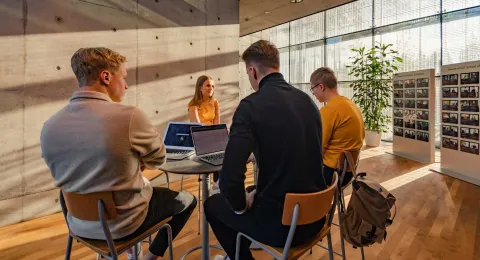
250, 198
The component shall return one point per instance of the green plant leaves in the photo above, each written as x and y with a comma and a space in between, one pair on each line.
373, 71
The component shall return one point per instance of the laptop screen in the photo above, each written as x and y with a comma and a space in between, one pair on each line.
178, 135
210, 139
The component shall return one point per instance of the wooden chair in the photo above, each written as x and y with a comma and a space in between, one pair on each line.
302, 209
100, 206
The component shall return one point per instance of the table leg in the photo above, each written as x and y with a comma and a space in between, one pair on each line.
205, 238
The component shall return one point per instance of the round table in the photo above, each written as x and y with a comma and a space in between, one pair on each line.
193, 166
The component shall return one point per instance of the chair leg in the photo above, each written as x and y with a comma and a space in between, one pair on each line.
135, 252
237, 247
69, 247
170, 243
99, 256
168, 180
330, 246
342, 242
363, 254
149, 240
199, 204
181, 184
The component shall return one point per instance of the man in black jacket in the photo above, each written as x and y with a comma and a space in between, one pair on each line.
282, 127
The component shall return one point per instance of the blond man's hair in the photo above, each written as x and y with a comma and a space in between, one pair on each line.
88, 63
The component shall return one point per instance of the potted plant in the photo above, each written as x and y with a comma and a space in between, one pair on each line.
372, 89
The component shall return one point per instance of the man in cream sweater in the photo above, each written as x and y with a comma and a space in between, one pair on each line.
95, 144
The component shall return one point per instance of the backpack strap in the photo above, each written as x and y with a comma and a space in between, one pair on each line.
351, 162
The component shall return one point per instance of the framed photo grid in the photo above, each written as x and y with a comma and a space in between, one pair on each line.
460, 111
411, 108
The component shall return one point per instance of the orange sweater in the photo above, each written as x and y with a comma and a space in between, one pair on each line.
342, 129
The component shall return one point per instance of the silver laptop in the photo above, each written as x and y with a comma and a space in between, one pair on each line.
178, 140
210, 143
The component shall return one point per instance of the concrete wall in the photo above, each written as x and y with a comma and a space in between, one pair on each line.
168, 44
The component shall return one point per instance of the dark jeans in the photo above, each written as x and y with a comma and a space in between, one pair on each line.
163, 204
328, 173
262, 222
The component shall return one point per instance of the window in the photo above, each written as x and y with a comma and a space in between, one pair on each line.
353, 17
414, 27
310, 28
305, 59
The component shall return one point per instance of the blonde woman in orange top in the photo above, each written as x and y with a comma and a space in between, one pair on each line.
204, 108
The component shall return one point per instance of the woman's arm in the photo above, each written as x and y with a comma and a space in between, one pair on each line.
193, 115
216, 120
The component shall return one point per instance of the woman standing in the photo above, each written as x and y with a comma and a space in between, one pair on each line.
204, 108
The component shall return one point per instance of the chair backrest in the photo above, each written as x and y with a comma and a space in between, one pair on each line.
85, 206
355, 157
313, 206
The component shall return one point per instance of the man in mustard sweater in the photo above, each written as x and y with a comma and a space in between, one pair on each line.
342, 121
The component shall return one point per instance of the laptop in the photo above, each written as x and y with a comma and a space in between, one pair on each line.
178, 140
210, 143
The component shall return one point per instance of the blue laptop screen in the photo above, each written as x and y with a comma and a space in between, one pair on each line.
179, 135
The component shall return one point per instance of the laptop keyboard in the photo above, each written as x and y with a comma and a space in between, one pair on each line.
213, 157
178, 151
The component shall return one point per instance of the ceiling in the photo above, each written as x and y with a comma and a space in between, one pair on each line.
253, 17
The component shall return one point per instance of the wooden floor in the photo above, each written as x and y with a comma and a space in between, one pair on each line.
438, 218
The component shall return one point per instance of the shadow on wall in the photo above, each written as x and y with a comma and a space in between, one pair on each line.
145, 14
49, 91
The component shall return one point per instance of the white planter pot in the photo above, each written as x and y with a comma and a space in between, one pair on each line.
372, 138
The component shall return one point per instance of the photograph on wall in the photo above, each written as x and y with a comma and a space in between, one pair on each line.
410, 103
422, 115
469, 105
410, 124
398, 94
410, 115
398, 103
398, 113
410, 134
410, 93
469, 119
450, 130
450, 118
422, 104
422, 136
469, 92
422, 125
422, 93
398, 122
422, 83
451, 79
450, 143
398, 132
409, 83
469, 147
450, 105
469, 78
469, 133
398, 84
450, 92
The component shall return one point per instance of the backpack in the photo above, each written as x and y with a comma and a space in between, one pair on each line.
368, 214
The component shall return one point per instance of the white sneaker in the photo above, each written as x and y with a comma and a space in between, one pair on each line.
221, 257
140, 252
215, 189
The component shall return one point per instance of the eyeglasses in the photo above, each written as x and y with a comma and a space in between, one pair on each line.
311, 89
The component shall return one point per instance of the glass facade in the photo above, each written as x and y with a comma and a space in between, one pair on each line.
427, 33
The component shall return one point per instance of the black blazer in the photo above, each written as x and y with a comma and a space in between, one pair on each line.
282, 127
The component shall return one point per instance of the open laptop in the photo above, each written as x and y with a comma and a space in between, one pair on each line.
210, 143
178, 140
